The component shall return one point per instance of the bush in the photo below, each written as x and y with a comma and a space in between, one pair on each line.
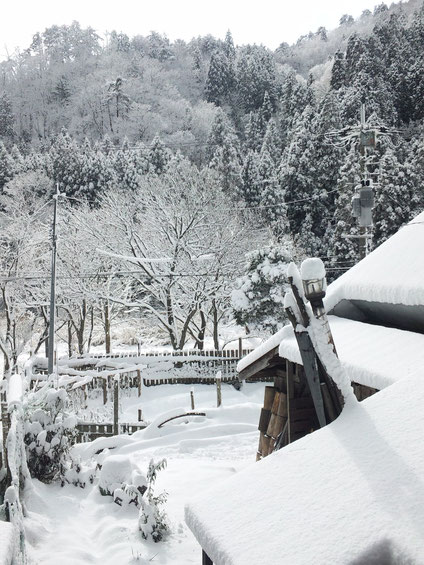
122, 479
49, 431
152, 519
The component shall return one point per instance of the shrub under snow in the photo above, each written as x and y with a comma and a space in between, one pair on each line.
123, 480
49, 431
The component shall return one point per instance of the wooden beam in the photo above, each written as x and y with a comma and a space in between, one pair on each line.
206, 560
269, 359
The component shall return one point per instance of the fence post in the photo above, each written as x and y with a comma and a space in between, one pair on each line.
218, 389
139, 381
140, 415
192, 398
240, 348
116, 405
104, 385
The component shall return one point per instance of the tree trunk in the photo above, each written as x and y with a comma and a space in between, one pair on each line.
90, 335
107, 327
69, 338
215, 325
200, 341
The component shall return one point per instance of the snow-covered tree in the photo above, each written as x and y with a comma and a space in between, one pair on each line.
258, 299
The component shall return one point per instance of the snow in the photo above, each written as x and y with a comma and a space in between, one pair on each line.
14, 393
7, 544
400, 353
325, 350
349, 493
392, 273
75, 526
312, 269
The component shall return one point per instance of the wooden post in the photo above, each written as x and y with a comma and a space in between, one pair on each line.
192, 398
116, 406
206, 560
139, 381
218, 389
104, 385
140, 415
290, 387
240, 347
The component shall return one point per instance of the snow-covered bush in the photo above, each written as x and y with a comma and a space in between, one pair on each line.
77, 474
49, 431
152, 519
258, 297
121, 478
119, 474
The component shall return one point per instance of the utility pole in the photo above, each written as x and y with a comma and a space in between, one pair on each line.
363, 201
52, 322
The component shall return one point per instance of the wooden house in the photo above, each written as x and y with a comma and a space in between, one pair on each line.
350, 493
376, 314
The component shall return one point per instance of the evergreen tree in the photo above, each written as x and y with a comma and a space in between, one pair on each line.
66, 164
272, 142
159, 156
7, 119
220, 79
6, 166
392, 198
256, 75
272, 206
253, 132
250, 179
343, 249
223, 152
258, 298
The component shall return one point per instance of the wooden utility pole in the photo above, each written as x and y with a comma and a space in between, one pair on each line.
52, 322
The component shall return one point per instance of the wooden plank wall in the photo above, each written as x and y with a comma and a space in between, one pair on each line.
288, 413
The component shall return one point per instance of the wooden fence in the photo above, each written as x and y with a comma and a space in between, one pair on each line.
89, 431
155, 368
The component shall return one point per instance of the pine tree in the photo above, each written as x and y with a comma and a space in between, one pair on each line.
258, 297
6, 166
159, 156
256, 75
266, 109
7, 119
253, 132
223, 154
66, 164
343, 249
273, 208
392, 198
220, 79
250, 179
272, 142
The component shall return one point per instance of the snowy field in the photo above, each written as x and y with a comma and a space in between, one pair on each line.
71, 525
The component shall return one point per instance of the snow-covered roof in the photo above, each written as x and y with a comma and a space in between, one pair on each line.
393, 273
372, 355
265, 347
351, 492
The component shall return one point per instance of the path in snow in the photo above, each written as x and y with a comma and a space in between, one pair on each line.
77, 526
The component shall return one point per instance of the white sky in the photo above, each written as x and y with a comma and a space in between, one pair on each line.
251, 21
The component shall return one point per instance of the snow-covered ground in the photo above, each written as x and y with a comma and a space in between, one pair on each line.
72, 525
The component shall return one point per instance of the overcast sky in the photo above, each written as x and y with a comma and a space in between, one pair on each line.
251, 21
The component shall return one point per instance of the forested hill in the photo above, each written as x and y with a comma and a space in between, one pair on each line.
93, 114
